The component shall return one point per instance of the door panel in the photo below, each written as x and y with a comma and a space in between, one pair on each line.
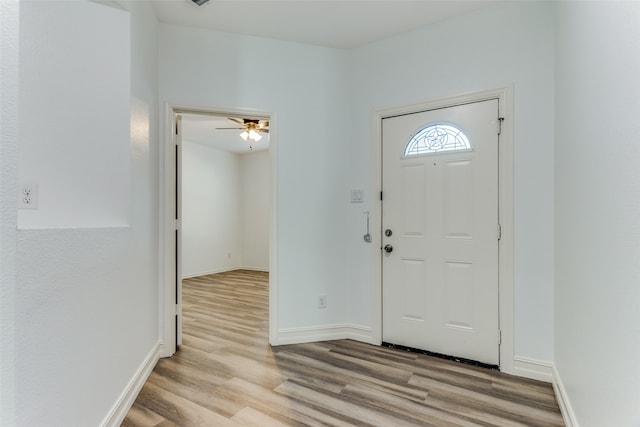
413, 294
440, 282
415, 216
458, 200
458, 288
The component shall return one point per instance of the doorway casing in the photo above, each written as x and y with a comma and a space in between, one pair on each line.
167, 223
505, 212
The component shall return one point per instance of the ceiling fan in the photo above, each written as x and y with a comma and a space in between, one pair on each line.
251, 128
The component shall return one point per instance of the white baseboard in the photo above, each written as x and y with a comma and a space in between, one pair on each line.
546, 371
128, 397
324, 333
532, 368
205, 273
223, 270
262, 269
563, 400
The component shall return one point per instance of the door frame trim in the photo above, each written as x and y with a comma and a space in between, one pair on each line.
505, 211
166, 223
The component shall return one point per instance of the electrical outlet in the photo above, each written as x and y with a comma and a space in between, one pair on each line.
322, 301
28, 196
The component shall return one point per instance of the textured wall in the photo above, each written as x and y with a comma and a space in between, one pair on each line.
85, 312
75, 114
597, 329
9, 29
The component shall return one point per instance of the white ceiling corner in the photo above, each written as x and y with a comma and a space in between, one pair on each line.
342, 24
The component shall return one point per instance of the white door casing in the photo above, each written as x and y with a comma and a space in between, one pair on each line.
169, 241
440, 280
178, 218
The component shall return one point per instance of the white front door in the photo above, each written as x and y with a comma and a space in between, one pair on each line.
441, 231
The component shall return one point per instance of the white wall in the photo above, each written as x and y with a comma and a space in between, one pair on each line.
59, 142
211, 213
597, 245
302, 84
225, 210
511, 43
85, 309
255, 209
9, 29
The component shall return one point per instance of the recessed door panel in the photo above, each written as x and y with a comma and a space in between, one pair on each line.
458, 199
413, 294
458, 291
415, 216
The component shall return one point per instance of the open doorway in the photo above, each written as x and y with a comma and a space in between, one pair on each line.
218, 187
225, 195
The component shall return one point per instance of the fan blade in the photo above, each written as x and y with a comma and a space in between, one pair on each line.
230, 128
237, 120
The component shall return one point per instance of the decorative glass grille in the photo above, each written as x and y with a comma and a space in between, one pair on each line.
437, 138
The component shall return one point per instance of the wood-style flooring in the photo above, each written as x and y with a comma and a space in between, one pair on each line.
226, 374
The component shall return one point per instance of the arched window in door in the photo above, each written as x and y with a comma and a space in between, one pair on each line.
436, 138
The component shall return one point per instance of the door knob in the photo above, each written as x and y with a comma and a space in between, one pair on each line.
388, 248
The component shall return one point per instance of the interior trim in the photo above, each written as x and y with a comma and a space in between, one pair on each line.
119, 411
224, 270
324, 333
167, 224
532, 368
568, 415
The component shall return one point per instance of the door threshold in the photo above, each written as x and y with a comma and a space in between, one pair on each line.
441, 356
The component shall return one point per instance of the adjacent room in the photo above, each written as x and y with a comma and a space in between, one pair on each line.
224, 186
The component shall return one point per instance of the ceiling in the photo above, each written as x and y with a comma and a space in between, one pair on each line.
201, 129
342, 24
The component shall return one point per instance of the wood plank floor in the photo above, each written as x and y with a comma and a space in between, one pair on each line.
226, 374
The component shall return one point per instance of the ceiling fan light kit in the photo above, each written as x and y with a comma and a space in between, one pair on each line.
251, 134
251, 128
255, 135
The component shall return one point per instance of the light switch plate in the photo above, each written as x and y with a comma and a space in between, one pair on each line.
357, 196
